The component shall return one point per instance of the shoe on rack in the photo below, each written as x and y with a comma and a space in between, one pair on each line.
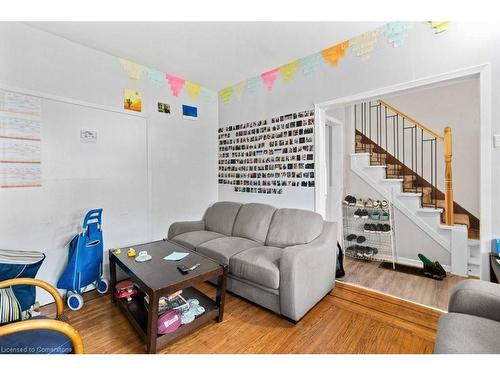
375, 250
351, 237
358, 213
375, 215
360, 203
384, 204
379, 228
368, 252
361, 239
386, 228
360, 251
349, 200
384, 216
369, 203
364, 214
376, 204
368, 228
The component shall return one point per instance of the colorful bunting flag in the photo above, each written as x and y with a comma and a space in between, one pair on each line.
269, 78
288, 70
176, 84
333, 54
239, 88
439, 26
208, 95
308, 64
395, 32
364, 44
155, 76
225, 94
134, 71
193, 89
252, 83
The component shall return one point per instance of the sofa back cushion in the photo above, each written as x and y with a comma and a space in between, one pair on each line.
253, 221
291, 227
220, 217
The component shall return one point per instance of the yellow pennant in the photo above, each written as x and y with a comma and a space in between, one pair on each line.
193, 89
333, 54
439, 26
134, 71
239, 88
225, 94
288, 70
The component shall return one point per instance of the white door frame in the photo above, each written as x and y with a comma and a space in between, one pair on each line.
486, 146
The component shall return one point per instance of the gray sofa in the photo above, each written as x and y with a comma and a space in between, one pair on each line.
472, 324
282, 259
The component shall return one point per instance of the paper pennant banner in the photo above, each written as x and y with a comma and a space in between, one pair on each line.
252, 83
225, 94
288, 70
308, 64
439, 26
176, 84
364, 44
269, 78
134, 71
208, 95
155, 76
333, 54
395, 32
193, 89
239, 88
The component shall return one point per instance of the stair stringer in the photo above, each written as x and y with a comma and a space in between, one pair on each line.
441, 234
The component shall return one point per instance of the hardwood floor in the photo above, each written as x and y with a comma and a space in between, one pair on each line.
415, 288
348, 320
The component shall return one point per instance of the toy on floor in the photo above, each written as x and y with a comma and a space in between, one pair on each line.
125, 289
85, 261
432, 269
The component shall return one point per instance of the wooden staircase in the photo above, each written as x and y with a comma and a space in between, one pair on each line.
431, 197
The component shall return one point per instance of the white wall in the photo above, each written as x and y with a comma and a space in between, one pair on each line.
182, 153
456, 105
423, 54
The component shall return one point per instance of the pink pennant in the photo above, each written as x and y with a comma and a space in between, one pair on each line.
269, 78
176, 84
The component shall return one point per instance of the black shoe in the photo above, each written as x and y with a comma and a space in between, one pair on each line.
386, 228
367, 228
358, 213
351, 237
364, 214
379, 228
347, 199
361, 239
439, 271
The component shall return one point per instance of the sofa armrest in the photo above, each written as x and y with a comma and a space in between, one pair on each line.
307, 273
180, 227
474, 297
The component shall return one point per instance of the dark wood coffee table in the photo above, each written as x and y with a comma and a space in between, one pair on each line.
159, 277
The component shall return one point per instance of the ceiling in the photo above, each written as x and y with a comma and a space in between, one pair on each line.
214, 54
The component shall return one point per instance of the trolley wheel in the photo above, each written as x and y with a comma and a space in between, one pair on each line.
75, 301
102, 285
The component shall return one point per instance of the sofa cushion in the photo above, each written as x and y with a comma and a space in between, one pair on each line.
220, 217
222, 249
192, 239
464, 334
259, 265
291, 227
253, 221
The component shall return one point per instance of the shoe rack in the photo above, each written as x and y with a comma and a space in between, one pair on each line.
369, 230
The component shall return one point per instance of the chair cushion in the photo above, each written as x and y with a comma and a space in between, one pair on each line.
220, 217
291, 227
39, 341
467, 334
222, 249
259, 265
253, 221
192, 239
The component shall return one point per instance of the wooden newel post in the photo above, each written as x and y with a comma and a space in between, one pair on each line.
448, 178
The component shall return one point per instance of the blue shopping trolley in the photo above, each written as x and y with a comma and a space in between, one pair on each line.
85, 261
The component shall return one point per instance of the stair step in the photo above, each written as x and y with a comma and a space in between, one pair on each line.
462, 219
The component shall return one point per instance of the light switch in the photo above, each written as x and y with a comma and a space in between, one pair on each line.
496, 140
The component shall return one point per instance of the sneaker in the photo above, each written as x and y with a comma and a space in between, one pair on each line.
376, 204
361, 239
384, 204
360, 203
439, 269
351, 237
386, 228
384, 216
368, 253
369, 203
348, 200
368, 228
379, 228
375, 215
360, 251
358, 213
364, 214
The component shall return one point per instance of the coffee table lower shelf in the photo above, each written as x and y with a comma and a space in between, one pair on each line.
137, 313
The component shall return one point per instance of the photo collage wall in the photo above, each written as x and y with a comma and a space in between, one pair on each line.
265, 156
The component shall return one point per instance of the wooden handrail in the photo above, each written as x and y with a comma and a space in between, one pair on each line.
448, 178
415, 122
